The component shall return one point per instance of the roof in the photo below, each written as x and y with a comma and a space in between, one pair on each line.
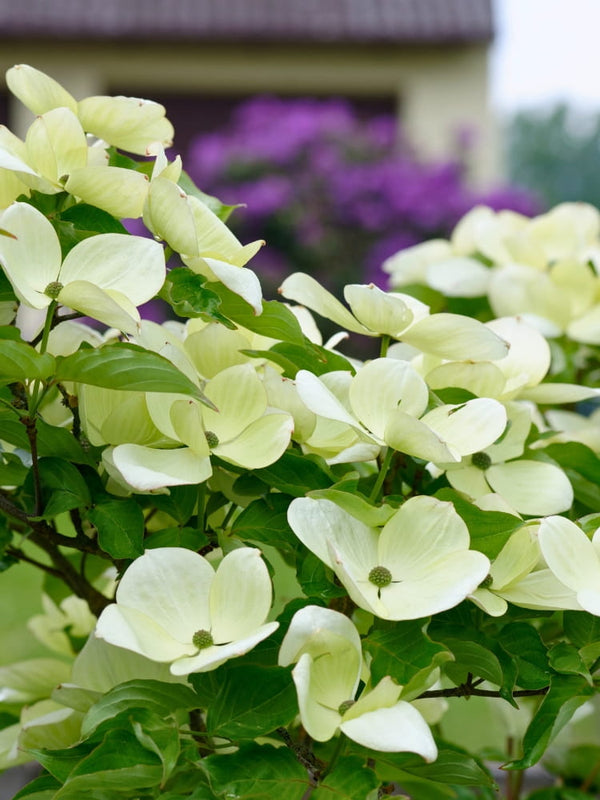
300, 21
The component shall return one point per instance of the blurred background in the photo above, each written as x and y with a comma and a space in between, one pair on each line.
350, 129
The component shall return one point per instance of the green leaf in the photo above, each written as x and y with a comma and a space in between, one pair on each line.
222, 210
125, 366
356, 505
7, 294
581, 628
120, 526
404, 652
565, 658
489, 530
22, 362
60, 763
316, 579
292, 357
191, 538
163, 740
452, 766
566, 695
92, 220
576, 456
523, 643
12, 470
257, 772
8, 331
180, 503
51, 441
64, 484
472, 657
296, 474
120, 764
348, 780
185, 292
276, 320
157, 697
252, 701
265, 521
42, 788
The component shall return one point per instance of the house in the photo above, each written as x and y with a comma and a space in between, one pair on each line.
424, 59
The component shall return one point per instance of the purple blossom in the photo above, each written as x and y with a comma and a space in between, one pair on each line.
331, 194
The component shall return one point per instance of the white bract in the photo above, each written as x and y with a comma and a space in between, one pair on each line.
574, 559
384, 403
326, 648
104, 277
172, 607
418, 564
399, 316
528, 486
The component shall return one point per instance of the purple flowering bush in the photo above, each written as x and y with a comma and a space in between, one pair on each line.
333, 195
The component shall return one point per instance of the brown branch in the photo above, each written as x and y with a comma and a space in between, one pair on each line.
37, 484
469, 690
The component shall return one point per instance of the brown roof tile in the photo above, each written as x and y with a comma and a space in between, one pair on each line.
250, 20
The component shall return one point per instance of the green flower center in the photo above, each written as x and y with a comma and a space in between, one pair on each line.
202, 639
380, 576
481, 460
53, 289
343, 707
212, 439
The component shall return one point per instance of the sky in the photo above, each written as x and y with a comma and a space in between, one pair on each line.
546, 51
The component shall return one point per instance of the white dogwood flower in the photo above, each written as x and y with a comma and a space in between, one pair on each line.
326, 648
419, 564
171, 606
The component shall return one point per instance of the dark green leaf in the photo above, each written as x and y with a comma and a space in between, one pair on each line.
60, 763
120, 764
566, 695
7, 295
265, 521
120, 526
12, 470
472, 657
252, 701
316, 579
296, 474
576, 456
63, 487
523, 643
42, 788
348, 780
21, 362
565, 658
404, 652
581, 628
51, 441
185, 292
179, 503
489, 530
92, 220
162, 740
452, 766
157, 697
124, 366
191, 538
276, 320
293, 357
257, 773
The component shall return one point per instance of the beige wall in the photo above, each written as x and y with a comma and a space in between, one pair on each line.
439, 89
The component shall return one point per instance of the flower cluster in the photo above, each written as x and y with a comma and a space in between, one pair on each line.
313, 556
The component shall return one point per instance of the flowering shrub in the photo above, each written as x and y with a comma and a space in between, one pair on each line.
333, 195
272, 569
